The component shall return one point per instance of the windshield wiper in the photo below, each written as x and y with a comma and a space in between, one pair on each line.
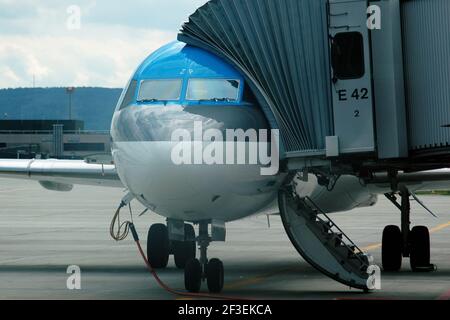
149, 100
154, 100
216, 100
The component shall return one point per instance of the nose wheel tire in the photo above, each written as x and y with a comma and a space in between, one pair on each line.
215, 275
419, 239
392, 247
185, 251
193, 276
158, 246
199, 270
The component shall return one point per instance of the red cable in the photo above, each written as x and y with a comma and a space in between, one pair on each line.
174, 292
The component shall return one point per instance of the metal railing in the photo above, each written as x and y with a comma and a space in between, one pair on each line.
345, 241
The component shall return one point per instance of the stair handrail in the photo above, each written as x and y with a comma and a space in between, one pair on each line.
339, 229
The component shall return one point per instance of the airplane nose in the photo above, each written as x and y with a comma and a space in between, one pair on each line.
143, 148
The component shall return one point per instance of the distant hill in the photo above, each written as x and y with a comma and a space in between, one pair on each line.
95, 106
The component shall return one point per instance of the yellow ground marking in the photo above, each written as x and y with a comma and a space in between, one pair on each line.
372, 247
440, 227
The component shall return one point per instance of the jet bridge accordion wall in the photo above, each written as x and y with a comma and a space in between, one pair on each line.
282, 49
426, 47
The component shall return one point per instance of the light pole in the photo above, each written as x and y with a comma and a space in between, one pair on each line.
70, 91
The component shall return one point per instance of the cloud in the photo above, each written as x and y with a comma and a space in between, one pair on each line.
167, 15
113, 39
94, 60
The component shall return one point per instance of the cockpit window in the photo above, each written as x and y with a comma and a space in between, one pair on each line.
128, 97
213, 90
160, 90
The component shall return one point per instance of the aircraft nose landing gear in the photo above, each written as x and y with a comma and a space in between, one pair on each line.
199, 270
403, 243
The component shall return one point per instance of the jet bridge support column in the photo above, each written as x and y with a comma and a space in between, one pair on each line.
405, 220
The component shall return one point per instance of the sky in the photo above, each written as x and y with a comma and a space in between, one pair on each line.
98, 43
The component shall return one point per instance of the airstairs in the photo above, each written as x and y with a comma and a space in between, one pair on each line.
321, 242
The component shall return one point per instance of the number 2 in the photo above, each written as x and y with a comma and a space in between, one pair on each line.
365, 93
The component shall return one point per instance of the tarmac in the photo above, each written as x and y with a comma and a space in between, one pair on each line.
42, 233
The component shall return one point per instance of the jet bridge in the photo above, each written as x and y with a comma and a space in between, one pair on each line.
338, 88
356, 87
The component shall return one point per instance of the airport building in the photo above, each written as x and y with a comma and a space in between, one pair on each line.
61, 139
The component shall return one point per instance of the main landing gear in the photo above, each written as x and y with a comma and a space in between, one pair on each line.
159, 247
404, 242
196, 271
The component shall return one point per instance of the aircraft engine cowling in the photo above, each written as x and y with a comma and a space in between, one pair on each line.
347, 194
55, 186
